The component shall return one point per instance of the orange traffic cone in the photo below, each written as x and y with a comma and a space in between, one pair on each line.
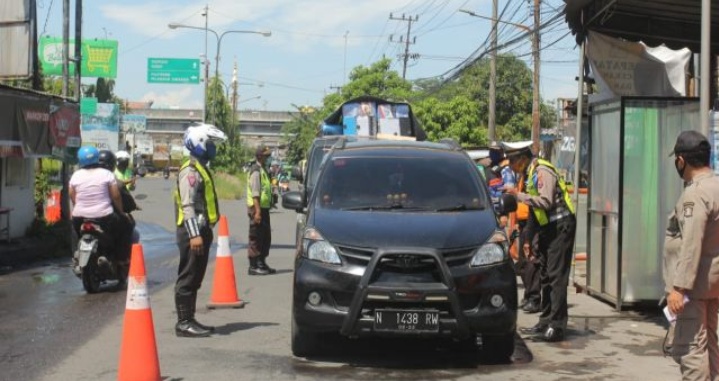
224, 289
138, 354
52, 207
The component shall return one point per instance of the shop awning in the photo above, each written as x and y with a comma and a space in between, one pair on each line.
675, 23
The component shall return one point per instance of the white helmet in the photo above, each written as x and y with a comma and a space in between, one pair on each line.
199, 140
122, 155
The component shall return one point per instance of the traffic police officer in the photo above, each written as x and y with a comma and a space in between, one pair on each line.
691, 258
123, 171
259, 202
197, 211
553, 210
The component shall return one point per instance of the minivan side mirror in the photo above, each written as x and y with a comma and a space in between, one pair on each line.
297, 174
507, 204
293, 200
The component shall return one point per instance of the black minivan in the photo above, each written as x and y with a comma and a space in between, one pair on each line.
401, 239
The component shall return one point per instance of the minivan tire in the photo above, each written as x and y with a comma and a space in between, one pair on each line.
304, 343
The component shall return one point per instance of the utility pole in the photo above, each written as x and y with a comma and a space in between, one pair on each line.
406, 41
491, 126
206, 63
78, 49
234, 128
535, 88
336, 88
65, 47
344, 77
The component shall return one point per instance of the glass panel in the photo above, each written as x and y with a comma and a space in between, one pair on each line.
650, 189
605, 158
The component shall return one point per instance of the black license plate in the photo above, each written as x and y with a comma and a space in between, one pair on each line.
406, 320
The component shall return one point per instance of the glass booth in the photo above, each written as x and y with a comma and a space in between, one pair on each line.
633, 188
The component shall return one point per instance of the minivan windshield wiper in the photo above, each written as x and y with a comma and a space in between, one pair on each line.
382, 207
458, 208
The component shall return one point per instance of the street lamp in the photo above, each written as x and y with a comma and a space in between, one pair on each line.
218, 37
493, 74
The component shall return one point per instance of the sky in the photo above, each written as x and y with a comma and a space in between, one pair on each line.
314, 44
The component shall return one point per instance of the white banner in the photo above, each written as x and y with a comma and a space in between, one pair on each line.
624, 68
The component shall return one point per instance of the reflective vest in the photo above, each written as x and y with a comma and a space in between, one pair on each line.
542, 217
265, 188
210, 194
124, 176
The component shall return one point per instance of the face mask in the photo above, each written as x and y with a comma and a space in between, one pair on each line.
679, 171
211, 150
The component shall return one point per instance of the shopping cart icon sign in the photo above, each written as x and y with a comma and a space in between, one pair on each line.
99, 57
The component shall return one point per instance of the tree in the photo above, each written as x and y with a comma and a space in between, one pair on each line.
300, 131
377, 80
103, 90
232, 154
457, 119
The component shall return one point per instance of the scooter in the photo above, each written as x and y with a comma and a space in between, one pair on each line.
166, 173
93, 261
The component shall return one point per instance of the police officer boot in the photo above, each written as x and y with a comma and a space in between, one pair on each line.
186, 325
263, 265
194, 308
255, 268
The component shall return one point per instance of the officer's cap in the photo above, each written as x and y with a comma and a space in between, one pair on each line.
516, 149
691, 142
263, 150
495, 146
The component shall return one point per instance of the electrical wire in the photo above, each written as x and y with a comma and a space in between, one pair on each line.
153, 38
47, 17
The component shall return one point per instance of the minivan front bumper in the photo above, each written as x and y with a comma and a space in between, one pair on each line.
469, 300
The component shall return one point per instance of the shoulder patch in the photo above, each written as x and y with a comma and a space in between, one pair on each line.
540, 180
688, 209
192, 178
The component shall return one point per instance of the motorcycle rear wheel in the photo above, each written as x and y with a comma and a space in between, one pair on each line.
90, 277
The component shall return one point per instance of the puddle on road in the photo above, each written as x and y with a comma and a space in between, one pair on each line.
46, 279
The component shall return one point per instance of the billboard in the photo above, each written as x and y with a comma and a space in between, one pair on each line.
16, 36
99, 57
102, 128
133, 123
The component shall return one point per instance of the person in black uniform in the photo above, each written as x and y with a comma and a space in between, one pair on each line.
197, 211
553, 211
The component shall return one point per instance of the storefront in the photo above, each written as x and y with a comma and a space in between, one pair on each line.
32, 125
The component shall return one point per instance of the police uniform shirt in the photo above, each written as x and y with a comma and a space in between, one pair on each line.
546, 185
192, 192
256, 180
697, 215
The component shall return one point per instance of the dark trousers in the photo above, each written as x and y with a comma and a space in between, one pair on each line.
556, 244
260, 237
192, 267
531, 279
528, 267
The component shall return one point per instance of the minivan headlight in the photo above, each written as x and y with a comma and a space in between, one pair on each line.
494, 251
488, 254
317, 249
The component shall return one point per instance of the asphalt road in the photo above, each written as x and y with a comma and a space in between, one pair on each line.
51, 330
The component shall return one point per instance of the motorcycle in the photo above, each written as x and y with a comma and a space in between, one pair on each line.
284, 185
166, 173
93, 260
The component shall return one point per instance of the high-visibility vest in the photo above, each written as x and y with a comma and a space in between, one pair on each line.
542, 216
210, 194
265, 188
125, 176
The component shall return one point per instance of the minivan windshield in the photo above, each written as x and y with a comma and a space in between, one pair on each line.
441, 183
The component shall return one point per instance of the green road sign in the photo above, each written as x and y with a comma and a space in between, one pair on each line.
173, 70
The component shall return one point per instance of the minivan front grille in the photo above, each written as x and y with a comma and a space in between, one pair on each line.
362, 255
